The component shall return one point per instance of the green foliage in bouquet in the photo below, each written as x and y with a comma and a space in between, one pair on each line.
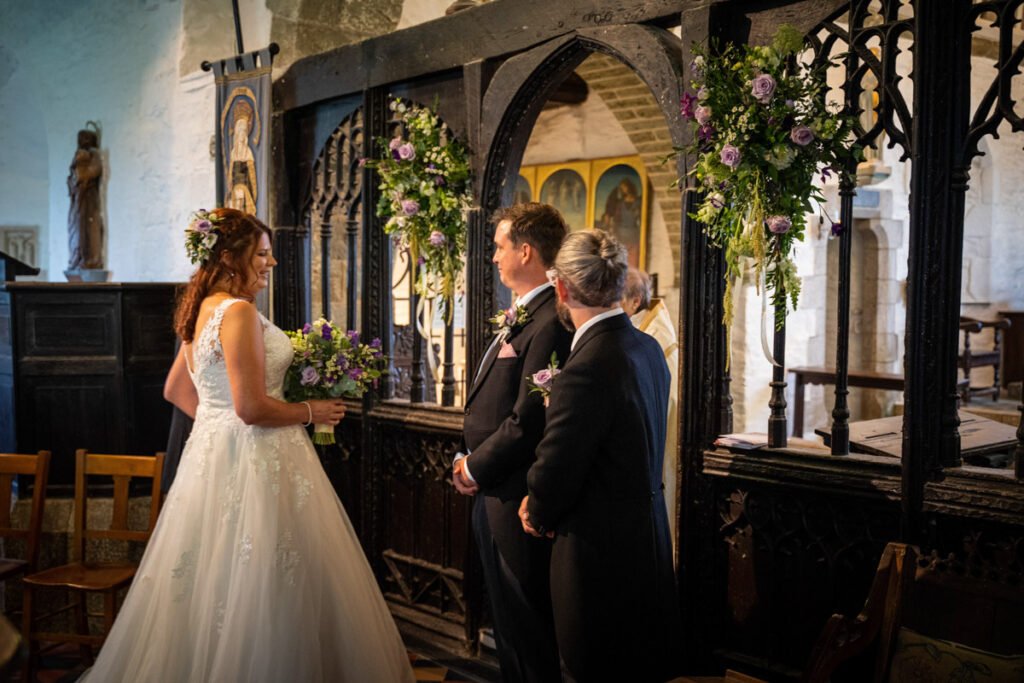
762, 132
425, 192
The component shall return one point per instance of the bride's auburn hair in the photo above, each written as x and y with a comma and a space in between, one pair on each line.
230, 260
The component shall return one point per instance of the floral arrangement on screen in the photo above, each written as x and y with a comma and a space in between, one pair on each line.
762, 132
330, 363
425, 191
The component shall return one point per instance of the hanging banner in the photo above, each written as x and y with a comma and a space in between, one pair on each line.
243, 118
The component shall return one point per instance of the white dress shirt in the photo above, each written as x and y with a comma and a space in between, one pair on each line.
593, 321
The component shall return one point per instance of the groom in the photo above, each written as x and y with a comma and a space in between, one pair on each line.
504, 422
596, 485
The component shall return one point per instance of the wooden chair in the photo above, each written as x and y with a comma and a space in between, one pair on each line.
979, 358
38, 467
83, 576
932, 605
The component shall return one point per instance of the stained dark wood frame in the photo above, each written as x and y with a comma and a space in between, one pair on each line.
499, 64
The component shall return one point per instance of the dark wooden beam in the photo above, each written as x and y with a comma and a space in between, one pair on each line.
485, 32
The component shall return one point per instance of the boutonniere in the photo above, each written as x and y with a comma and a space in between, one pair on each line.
510, 319
542, 380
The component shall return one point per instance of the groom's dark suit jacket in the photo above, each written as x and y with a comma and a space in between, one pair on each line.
504, 423
597, 485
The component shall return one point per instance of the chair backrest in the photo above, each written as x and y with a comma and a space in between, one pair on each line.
122, 468
38, 467
970, 603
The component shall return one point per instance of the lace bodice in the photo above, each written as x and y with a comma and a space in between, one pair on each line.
210, 373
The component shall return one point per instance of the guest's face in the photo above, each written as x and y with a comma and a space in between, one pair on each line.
507, 257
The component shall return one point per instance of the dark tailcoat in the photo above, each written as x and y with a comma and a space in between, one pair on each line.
504, 423
597, 484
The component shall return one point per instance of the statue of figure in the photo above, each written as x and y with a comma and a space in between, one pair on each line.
243, 191
85, 224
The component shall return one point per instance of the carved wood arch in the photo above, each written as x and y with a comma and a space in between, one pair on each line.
518, 91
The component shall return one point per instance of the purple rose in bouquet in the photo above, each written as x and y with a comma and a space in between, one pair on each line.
779, 224
406, 152
762, 88
731, 156
309, 376
802, 135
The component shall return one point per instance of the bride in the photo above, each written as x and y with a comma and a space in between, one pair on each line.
253, 572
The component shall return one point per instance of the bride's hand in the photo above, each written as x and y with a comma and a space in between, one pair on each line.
327, 411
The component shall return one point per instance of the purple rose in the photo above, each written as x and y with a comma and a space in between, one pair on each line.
437, 238
763, 87
325, 332
802, 135
542, 378
702, 114
395, 143
410, 207
306, 328
686, 104
406, 152
309, 376
204, 226
779, 224
731, 156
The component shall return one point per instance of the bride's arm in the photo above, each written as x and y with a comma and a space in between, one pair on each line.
178, 389
241, 337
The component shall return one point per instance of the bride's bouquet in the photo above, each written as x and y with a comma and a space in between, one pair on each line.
330, 363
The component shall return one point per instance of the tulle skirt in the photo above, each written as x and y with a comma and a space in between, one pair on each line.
253, 573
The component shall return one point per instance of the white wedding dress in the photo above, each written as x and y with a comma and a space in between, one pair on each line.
254, 572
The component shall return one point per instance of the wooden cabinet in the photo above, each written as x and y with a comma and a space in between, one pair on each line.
83, 366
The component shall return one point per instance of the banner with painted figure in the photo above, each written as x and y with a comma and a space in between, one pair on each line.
243, 118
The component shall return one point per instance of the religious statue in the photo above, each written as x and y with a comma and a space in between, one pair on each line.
85, 223
242, 191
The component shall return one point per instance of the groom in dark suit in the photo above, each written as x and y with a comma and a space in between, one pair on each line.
596, 484
504, 422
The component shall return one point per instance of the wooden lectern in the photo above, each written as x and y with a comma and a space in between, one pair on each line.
11, 267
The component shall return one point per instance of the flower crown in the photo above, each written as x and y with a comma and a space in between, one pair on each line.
201, 236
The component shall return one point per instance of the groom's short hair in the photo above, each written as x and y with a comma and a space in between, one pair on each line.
539, 225
592, 265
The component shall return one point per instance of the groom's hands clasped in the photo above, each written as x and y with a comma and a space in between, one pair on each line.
462, 482
524, 517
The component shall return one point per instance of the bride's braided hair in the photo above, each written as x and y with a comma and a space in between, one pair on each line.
230, 259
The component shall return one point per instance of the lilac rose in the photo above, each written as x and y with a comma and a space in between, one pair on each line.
763, 87
702, 114
731, 156
802, 135
309, 376
437, 238
779, 224
203, 226
410, 207
406, 151
542, 378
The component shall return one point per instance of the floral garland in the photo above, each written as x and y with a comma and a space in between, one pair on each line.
762, 131
425, 191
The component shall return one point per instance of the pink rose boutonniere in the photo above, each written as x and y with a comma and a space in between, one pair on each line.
542, 380
510, 319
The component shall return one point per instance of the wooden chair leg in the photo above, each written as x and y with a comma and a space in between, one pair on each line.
82, 624
27, 667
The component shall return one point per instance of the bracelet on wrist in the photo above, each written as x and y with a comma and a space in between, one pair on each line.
309, 408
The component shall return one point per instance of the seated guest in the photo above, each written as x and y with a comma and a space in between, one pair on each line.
652, 317
595, 487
